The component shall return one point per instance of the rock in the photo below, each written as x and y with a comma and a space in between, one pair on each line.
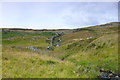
109, 75
53, 38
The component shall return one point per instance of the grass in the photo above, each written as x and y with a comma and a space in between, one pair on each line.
47, 34
12, 34
24, 64
79, 56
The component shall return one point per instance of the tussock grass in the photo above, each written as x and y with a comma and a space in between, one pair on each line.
82, 54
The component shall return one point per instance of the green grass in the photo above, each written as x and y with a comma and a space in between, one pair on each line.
12, 34
47, 34
77, 57
27, 64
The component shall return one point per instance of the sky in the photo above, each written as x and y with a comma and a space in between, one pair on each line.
56, 15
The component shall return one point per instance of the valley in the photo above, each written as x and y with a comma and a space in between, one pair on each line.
60, 53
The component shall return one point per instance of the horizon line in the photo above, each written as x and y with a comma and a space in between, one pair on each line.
62, 28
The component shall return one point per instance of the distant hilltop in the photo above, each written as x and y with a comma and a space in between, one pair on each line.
111, 24
54, 30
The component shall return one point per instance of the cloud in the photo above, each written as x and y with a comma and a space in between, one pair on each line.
91, 14
57, 14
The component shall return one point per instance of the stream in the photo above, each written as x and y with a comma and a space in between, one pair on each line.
55, 40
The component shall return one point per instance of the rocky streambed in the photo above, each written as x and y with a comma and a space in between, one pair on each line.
108, 75
55, 40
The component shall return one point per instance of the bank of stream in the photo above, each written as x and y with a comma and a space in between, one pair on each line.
55, 40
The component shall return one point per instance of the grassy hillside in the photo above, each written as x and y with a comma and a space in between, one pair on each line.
81, 54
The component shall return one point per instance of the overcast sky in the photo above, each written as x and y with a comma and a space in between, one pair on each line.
56, 15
